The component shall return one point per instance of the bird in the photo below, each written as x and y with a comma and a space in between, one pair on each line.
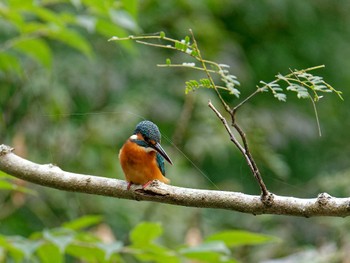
142, 157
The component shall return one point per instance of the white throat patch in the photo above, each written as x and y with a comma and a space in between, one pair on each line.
133, 137
147, 149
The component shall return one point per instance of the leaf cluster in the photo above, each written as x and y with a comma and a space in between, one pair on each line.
190, 48
72, 240
302, 82
30, 26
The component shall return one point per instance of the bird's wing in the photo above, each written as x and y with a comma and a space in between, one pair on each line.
160, 163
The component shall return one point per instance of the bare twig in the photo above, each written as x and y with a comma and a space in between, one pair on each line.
224, 122
243, 149
249, 156
234, 110
316, 116
52, 176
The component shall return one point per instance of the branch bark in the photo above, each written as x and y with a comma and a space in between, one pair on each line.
52, 176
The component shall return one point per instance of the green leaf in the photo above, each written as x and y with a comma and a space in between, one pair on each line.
179, 45
123, 19
131, 6
47, 15
95, 7
88, 22
302, 92
37, 49
156, 253
142, 242
33, 28
194, 52
59, 237
73, 39
13, 251
206, 83
83, 222
106, 28
111, 249
145, 233
215, 251
4, 175
6, 185
12, 16
240, 238
49, 253
280, 96
18, 4
191, 85
212, 246
88, 252
26, 246
9, 63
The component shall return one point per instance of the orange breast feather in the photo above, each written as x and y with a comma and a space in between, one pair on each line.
139, 166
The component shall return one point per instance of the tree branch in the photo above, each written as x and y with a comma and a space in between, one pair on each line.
52, 176
266, 196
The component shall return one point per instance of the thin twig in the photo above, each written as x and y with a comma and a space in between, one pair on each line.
248, 155
285, 78
183, 66
227, 108
224, 122
246, 99
244, 150
316, 116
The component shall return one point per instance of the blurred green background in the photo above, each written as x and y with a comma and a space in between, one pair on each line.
70, 97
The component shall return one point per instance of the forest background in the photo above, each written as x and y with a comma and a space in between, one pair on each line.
70, 97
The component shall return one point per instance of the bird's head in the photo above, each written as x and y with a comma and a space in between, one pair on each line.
147, 135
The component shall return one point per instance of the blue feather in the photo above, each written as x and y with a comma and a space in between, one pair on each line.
160, 163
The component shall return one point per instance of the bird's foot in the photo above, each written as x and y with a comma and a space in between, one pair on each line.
143, 186
129, 184
146, 184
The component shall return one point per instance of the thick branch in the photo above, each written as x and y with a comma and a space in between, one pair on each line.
52, 176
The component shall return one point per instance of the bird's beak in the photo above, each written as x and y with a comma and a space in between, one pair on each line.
161, 151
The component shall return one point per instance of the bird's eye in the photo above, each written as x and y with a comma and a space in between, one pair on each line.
146, 138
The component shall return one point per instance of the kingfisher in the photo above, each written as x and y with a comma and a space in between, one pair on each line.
142, 156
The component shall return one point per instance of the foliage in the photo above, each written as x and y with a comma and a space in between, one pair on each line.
300, 81
30, 26
72, 240
9, 183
